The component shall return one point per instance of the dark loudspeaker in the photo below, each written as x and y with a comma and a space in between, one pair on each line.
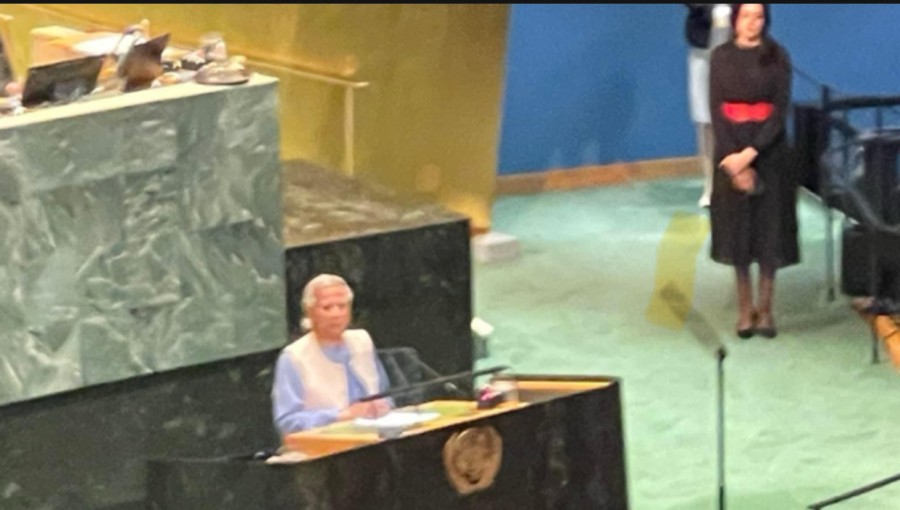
870, 263
855, 262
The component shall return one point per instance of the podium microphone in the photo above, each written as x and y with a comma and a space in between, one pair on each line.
445, 379
448, 386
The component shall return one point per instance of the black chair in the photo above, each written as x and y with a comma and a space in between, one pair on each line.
404, 368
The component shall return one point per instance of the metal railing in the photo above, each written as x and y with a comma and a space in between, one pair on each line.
349, 122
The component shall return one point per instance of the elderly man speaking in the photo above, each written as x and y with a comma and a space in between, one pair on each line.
320, 377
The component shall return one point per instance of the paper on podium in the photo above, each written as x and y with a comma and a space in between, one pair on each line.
396, 419
289, 457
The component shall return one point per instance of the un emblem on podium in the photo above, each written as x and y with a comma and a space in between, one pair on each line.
472, 458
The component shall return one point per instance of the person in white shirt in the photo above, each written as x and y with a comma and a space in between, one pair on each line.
320, 377
708, 26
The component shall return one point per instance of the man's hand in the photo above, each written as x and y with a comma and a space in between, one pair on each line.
380, 407
357, 410
372, 409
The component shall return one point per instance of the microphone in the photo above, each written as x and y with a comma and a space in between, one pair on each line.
445, 379
452, 388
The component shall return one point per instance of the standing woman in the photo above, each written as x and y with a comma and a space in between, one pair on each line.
753, 207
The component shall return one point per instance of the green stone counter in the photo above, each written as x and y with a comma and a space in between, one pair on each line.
139, 233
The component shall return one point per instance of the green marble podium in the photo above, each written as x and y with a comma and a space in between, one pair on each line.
139, 233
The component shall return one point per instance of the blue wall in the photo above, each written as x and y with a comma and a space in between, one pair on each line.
595, 84
855, 48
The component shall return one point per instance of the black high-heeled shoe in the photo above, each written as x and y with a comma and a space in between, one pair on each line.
767, 331
750, 330
746, 332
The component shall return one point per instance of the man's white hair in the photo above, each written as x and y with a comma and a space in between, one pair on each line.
309, 294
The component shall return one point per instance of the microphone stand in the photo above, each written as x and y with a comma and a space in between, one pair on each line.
720, 429
855, 492
708, 338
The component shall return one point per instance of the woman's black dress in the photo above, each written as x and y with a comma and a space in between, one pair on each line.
753, 228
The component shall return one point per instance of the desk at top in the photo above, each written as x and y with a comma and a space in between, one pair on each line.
561, 447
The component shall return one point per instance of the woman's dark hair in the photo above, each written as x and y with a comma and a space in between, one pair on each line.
736, 10
770, 53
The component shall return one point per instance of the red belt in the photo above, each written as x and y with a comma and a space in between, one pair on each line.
747, 112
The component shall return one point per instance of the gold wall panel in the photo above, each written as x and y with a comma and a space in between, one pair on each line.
427, 125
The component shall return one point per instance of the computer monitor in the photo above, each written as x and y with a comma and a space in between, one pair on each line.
143, 63
61, 82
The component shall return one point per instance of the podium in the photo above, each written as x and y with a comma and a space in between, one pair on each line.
560, 446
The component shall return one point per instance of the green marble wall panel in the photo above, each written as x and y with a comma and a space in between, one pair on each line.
139, 233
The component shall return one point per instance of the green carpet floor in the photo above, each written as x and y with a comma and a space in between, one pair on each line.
807, 414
